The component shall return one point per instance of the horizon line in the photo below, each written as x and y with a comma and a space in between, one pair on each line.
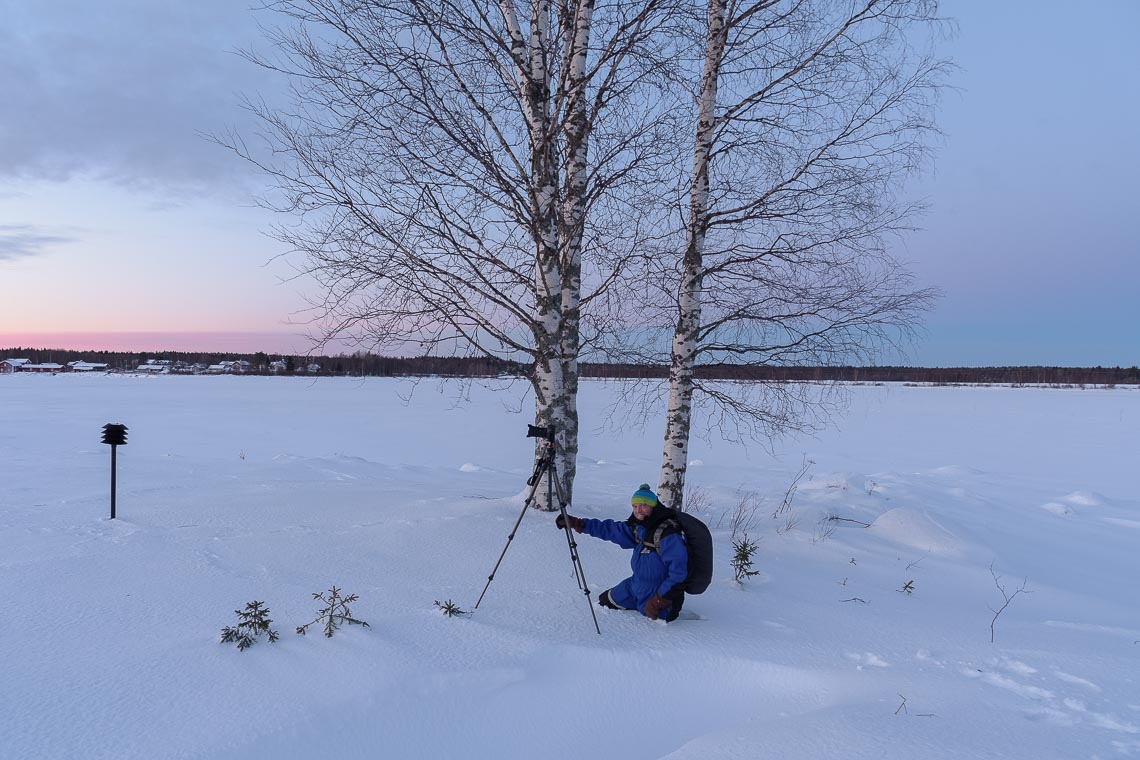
157, 341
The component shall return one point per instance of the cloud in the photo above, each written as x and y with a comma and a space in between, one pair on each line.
19, 240
122, 91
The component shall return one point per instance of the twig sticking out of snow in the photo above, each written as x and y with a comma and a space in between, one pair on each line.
837, 518
1005, 596
790, 494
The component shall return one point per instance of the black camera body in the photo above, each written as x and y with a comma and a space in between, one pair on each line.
540, 432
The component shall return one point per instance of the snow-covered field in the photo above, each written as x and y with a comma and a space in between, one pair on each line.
235, 489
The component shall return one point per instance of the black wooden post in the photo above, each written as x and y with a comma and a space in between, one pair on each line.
114, 435
114, 449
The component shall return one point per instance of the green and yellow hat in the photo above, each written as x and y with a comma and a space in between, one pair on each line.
644, 496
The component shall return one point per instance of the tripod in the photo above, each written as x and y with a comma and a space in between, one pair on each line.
544, 465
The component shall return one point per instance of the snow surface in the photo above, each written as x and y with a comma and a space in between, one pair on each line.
233, 489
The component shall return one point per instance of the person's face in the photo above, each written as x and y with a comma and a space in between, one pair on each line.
641, 511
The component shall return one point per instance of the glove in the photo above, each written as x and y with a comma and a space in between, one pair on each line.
575, 522
655, 605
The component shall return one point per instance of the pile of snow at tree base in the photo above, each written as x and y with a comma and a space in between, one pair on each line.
239, 489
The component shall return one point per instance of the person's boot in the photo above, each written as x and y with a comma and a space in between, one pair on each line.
677, 596
605, 600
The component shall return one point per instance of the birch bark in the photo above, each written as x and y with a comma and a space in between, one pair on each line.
572, 213
678, 421
549, 379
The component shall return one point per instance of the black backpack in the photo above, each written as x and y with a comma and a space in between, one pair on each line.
698, 540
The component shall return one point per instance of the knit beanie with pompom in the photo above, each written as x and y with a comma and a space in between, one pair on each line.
645, 496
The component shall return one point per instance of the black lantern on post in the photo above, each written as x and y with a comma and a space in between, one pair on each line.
114, 435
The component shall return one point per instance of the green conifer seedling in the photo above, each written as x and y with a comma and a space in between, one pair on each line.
743, 551
253, 621
449, 608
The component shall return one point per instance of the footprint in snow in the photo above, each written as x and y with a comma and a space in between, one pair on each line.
1014, 666
867, 659
1058, 509
1076, 680
1121, 522
1009, 684
924, 655
1060, 709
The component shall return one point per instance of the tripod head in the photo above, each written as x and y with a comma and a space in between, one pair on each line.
545, 459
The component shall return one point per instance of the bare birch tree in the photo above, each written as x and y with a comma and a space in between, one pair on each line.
462, 172
809, 115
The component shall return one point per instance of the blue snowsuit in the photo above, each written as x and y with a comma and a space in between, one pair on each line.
653, 572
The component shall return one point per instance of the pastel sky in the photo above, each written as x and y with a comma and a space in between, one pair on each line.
122, 226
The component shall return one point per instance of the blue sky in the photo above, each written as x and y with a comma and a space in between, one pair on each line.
116, 216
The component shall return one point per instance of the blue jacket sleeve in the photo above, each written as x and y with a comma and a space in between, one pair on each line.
610, 530
675, 555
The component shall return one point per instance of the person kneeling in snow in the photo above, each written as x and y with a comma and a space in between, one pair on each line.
654, 588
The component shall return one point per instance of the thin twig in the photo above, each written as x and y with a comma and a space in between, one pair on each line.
848, 519
920, 559
1006, 596
790, 494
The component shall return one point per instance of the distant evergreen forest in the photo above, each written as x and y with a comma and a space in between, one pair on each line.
369, 365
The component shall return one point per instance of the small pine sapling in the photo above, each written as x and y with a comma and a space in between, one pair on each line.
334, 613
743, 551
449, 608
253, 621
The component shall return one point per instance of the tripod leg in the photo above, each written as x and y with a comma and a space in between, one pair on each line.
538, 468
575, 560
570, 541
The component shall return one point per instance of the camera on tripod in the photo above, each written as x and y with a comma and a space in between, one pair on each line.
547, 432
544, 466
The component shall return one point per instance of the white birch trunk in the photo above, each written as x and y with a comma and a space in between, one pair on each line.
571, 218
678, 422
532, 57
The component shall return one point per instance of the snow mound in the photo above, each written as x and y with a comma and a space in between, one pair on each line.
468, 467
832, 481
1057, 509
917, 529
953, 471
1084, 499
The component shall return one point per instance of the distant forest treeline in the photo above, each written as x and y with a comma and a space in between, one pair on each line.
385, 366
